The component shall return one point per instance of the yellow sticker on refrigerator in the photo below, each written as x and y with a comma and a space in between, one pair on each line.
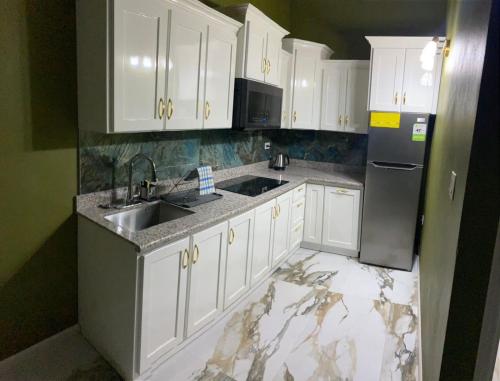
385, 119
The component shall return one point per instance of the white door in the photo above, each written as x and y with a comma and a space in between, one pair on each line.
285, 83
281, 227
356, 114
262, 240
341, 218
333, 96
303, 91
273, 54
164, 282
239, 250
418, 84
386, 79
255, 49
186, 68
219, 86
313, 217
205, 293
140, 42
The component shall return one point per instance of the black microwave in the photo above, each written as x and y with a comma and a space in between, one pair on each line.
256, 105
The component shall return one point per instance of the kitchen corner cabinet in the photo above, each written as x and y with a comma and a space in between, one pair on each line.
332, 219
154, 65
306, 82
285, 84
398, 83
239, 251
259, 44
206, 277
344, 96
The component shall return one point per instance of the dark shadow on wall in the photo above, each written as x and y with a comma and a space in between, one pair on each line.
41, 298
51, 38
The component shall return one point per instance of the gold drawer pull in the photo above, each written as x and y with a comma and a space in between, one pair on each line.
340, 120
231, 236
208, 110
346, 120
396, 98
185, 258
170, 109
342, 190
294, 116
404, 98
273, 213
268, 67
196, 254
299, 205
263, 66
161, 108
297, 228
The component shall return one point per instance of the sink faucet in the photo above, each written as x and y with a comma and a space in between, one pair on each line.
154, 178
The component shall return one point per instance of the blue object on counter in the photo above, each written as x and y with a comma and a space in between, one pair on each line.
206, 180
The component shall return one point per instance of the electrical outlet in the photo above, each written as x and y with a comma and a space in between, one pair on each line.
451, 186
267, 145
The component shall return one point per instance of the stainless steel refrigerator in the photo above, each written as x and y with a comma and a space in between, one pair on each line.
395, 164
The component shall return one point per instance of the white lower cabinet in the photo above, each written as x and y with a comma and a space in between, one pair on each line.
262, 241
341, 218
239, 250
313, 225
281, 227
205, 293
164, 284
332, 219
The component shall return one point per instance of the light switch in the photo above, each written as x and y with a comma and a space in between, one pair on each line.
451, 186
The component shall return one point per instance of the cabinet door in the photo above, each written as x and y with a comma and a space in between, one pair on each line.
208, 257
386, 79
313, 218
418, 84
164, 282
285, 83
262, 240
281, 227
273, 55
333, 96
296, 235
255, 49
239, 249
341, 218
356, 115
303, 91
140, 41
219, 87
186, 68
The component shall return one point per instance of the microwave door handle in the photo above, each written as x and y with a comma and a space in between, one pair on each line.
402, 167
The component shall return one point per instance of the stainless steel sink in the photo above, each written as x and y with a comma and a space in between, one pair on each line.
146, 216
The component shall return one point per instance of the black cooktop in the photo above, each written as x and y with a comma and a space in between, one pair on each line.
250, 185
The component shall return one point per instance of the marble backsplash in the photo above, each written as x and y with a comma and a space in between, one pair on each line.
103, 159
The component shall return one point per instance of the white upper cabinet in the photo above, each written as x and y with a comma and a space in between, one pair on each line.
259, 44
163, 298
344, 95
219, 77
285, 78
154, 65
306, 82
398, 80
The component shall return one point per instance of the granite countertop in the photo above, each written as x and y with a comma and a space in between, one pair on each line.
230, 205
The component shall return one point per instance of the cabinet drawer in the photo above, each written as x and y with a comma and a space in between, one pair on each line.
299, 192
298, 208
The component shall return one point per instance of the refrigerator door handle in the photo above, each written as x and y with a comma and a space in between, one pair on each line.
385, 165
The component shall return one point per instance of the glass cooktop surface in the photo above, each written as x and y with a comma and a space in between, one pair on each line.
250, 185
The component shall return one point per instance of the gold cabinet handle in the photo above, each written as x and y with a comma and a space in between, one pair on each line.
170, 109
208, 110
396, 98
346, 120
299, 205
263, 66
340, 120
273, 212
297, 228
196, 254
185, 258
161, 108
404, 98
268, 67
231, 236
342, 190
295, 116
279, 210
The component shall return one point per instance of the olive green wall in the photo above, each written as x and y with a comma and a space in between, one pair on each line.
38, 171
342, 24
451, 147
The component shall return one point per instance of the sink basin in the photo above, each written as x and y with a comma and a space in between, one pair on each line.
149, 215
